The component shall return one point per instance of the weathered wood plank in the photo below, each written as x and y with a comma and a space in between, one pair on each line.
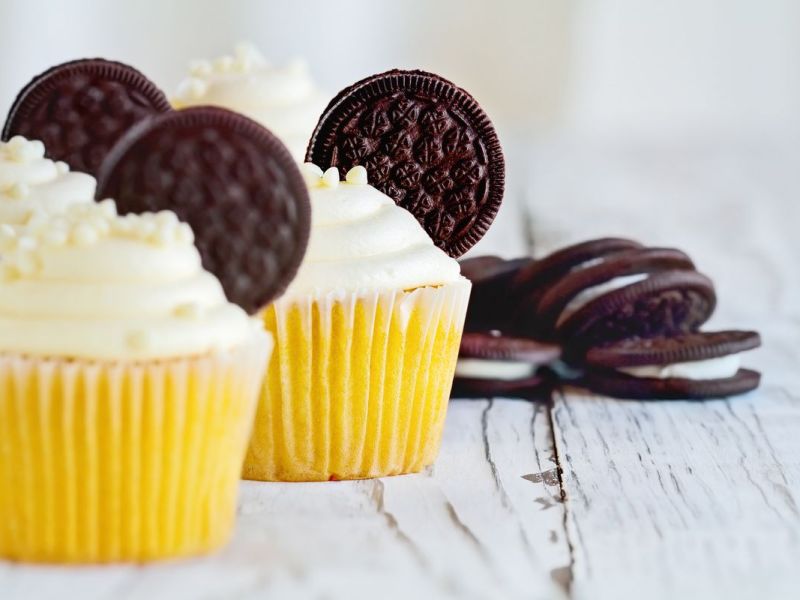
681, 499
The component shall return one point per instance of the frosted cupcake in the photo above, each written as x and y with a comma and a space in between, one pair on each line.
283, 99
367, 339
32, 184
129, 384
367, 335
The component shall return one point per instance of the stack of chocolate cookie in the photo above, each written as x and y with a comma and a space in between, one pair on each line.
610, 315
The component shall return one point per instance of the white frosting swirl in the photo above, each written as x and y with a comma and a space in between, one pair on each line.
90, 284
283, 99
361, 240
31, 183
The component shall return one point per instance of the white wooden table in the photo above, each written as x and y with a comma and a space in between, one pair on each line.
590, 498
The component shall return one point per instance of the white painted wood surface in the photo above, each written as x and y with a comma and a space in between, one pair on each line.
655, 500
681, 499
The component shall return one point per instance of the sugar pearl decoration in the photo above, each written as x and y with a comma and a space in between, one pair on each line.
357, 176
311, 173
245, 59
18, 191
201, 68
20, 149
330, 178
315, 177
82, 226
193, 88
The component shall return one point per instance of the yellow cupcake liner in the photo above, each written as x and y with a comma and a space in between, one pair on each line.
103, 461
358, 384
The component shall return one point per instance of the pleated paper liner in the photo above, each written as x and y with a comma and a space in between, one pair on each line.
358, 384
105, 462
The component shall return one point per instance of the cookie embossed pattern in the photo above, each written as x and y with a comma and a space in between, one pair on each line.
79, 109
426, 144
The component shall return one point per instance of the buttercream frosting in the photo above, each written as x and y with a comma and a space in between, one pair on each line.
712, 368
91, 284
361, 240
283, 99
31, 183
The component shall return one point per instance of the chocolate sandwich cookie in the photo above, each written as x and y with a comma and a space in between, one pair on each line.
492, 298
692, 366
578, 287
532, 281
664, 304
80, 109
232, 180
426, 143
496, 365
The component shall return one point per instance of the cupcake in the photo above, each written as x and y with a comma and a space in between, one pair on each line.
32, 184
129, 386
283, 99
367, 338
367, 335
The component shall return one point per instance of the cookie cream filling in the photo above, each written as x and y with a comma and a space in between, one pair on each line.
31, 183
713, 368
362, 241
94, 285
505, 370
285, 100
591, 293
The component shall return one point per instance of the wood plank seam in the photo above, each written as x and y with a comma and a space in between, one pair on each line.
505, 501
563, 576
377, 498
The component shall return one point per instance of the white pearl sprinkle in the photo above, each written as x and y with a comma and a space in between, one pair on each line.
55, 237
193, 87
330, 177
223, 64
311, 173
19, 190
108, 207
357, 176
84, 235
184, 234
19, 149
201, 68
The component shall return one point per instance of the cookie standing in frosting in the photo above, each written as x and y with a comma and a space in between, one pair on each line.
31, 183
94, 285
361, 240
283, 99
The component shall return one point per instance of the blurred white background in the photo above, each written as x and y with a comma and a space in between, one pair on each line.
605, 108
617, 67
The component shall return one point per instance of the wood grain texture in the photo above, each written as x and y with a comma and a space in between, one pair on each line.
680, 499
